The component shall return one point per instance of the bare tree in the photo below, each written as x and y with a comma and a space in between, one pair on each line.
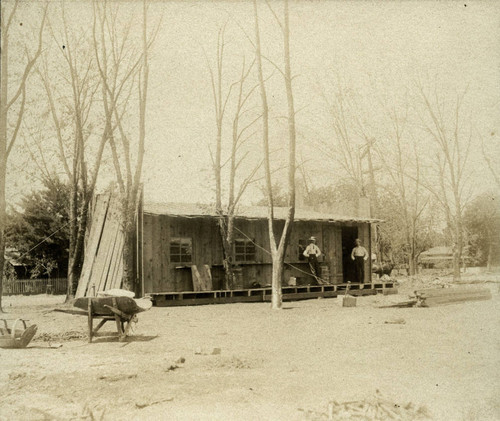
278, 249
75, 141
352, 147
445, 126
346, 147
487, 157
401, 161
12, 108
226, 212
123, 72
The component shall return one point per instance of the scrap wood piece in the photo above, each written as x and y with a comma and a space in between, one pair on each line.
377, 407
207, 276
398, 321
433, 297
144, 404
402, 304
202, 278
197, 281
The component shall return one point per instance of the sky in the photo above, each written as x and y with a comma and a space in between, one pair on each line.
377, 49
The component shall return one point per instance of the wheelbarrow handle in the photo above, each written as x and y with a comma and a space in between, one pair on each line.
13, 329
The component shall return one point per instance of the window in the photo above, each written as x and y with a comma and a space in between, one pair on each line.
180, 250
244, 250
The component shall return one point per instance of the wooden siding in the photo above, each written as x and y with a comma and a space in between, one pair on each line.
162, 275
365, 237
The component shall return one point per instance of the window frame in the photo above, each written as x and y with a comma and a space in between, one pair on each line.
247, 256
180, 255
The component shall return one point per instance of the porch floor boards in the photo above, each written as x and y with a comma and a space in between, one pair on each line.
290, 293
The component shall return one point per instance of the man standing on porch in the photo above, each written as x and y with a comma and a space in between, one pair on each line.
359, 255
312, 252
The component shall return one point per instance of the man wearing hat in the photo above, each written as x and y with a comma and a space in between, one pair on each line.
359, 255
312, 252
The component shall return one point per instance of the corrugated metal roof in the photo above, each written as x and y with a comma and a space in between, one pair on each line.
246, 212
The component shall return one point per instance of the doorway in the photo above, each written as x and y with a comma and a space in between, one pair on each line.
349, 235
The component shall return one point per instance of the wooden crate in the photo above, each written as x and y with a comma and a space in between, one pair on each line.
348, 301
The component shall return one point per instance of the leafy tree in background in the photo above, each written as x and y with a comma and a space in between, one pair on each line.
395, 244
482, 223
341, 198
279, 195
39, 230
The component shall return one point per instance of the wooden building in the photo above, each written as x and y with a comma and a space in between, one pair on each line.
177, 236
176, 242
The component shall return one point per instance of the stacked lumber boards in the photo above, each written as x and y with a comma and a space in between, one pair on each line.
103, 264
441, 296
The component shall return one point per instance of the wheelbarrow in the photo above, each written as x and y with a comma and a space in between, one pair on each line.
18, 335
122, 310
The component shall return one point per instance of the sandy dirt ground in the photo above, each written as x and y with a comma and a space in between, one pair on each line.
247, 362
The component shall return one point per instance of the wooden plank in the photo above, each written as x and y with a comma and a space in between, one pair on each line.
235, 296
147, 245
157, 250
119, 274
443, 296
197, 281
364, 236
115, 277
98, 267
437, 292
112, 232
139, 243
339, 274
106, 247
97, 224
207, 278
164, 251
115, 259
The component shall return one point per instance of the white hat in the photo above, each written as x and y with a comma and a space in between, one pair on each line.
312, 239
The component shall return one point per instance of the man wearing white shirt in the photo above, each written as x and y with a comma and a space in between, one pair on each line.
359, 255
312, 252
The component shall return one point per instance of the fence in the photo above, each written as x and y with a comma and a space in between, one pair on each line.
35, 286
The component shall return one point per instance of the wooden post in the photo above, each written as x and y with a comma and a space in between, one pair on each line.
90, 319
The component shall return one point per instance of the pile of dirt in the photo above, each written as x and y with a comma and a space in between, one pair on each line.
69, 335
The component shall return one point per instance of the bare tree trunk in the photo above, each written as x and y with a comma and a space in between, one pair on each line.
490, 255
453, 153
457, 250
412, 264
128, 226
7, 143
131, 205
277, 276
3, 145
3, 219
278, 251
226, 214
73, 234
129, 188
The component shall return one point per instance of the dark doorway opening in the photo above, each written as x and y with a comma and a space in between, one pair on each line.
349, 235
